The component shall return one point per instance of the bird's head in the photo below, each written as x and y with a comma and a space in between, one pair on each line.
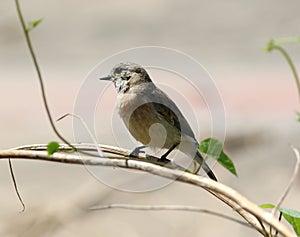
126, 75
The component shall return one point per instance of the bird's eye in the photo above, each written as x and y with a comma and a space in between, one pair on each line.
126, 78
118, 70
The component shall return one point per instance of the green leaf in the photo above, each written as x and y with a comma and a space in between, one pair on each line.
270, 45
214, 148
293, 217
290, 212
52, 147
32, 24
267, 205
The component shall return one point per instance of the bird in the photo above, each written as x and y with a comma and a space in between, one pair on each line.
151, 116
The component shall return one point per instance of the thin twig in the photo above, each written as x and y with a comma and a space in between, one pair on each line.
100, 153
40, 78
291, 64
167, 208
290, 184
16, 186
286, 40
265, 232
39, 74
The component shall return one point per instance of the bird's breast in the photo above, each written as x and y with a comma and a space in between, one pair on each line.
144, 123
136, 115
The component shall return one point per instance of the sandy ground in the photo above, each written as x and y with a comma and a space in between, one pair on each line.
257, 90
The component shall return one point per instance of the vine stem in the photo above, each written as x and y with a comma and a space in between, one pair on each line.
291, 64
39, 74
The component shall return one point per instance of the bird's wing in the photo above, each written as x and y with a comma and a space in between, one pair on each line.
167, 114
168, 111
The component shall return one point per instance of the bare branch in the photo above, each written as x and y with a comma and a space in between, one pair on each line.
120, 153
248, 210
167, 208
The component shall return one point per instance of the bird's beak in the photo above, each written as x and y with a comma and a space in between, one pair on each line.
107, 78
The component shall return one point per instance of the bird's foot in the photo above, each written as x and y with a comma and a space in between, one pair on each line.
138, 150
164, 159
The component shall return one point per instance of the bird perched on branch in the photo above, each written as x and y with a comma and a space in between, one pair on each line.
151, 116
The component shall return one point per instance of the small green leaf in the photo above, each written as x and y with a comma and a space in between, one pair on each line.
293, 217
52, 147
32, 24
270, 46
267, 206
214, 148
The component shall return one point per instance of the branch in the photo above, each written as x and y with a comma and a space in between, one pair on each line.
118, 153
274, 44
167, 208
39, 74
15, 185
289, 186
253, 214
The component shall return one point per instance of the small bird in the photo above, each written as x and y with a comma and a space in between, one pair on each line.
151, 116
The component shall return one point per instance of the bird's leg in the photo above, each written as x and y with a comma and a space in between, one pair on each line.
137, 151
164, 156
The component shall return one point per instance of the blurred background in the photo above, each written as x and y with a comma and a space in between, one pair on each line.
227, 38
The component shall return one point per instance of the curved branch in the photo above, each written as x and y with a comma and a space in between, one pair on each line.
167, 208
289, 186
39, 74
248, 210
291, 64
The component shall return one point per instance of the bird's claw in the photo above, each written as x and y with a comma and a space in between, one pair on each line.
138, 150
164, 160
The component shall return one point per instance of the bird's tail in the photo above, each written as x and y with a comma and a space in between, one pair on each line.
200, 160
